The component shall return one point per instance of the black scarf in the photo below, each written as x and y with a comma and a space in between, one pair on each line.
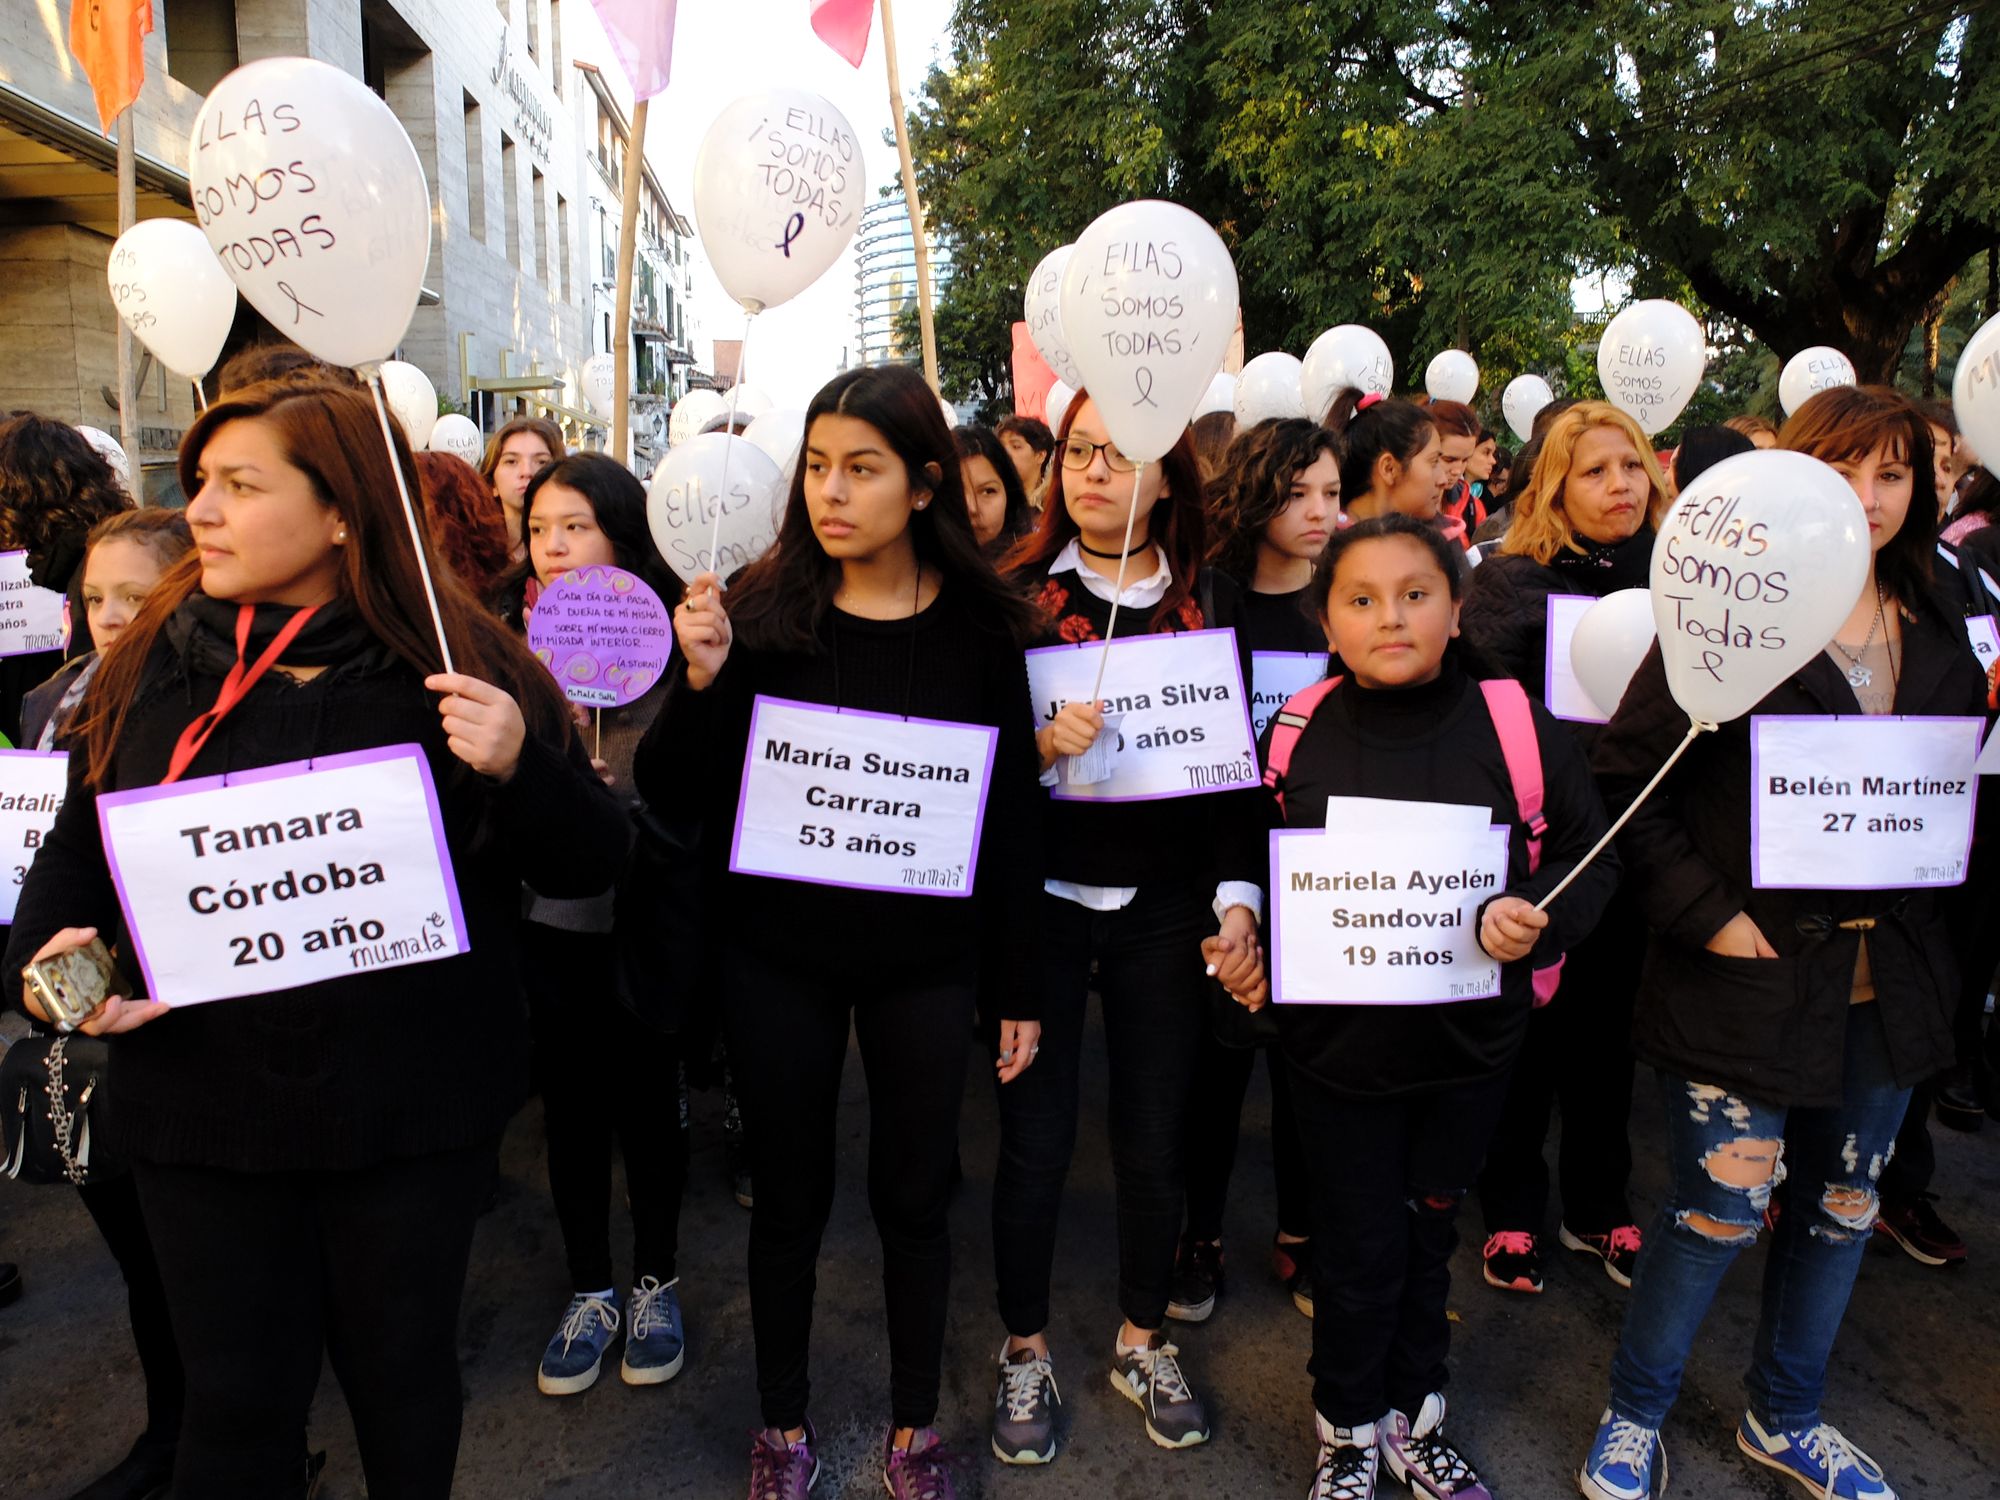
203, 634
1602, 568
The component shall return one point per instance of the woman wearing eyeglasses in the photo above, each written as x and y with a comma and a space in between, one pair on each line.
1132, 888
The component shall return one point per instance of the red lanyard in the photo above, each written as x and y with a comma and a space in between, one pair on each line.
236, 686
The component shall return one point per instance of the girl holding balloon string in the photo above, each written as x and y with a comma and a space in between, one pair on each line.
1787, 1024
1584, 525
875, 598
610, 1070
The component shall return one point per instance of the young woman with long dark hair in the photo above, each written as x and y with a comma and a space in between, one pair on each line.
994, 496
515, 454
875, 602
311, 1159
1394, 458
1787, 1022
1131, 889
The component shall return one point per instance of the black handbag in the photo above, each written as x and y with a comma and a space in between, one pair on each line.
47, 1085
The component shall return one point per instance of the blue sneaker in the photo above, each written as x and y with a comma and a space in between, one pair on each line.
1819, 1458
1621, 1462
654, 1343
574, 1356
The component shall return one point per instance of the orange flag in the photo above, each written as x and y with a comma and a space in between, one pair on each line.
108, 38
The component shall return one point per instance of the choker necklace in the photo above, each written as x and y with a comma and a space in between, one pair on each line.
1137, 548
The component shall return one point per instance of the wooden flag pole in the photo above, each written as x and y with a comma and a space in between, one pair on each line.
911, 200
621, 313
128, 395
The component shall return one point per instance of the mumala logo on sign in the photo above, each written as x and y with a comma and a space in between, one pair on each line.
532, 116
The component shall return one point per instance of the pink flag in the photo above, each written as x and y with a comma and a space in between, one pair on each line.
642, 39
843, 25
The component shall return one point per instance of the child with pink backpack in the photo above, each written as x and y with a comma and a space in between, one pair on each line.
1405, 955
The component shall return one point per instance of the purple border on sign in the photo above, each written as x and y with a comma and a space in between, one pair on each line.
280, 772
1549, 662
1757, 780
978, 817
1277, 940
1242, 696
571, 583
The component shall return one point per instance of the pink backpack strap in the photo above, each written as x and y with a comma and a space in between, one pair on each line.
1286, 726
1514, 721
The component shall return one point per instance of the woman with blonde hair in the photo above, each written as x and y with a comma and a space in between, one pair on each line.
1583, 525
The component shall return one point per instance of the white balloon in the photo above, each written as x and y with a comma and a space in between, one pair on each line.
780, 432
1650, 360
1148, 308
313, 199
113, 452
412, 400
1756, 566
777, 194
1041, 306
1220, 396
1452, 375
1349, 355
600, 382
1268, 387
1975, 392
1524, 396
751, 403
1811, 371
950, 412
173, 294
1612, 637
1056, 403
458, 436
692, 413
682, 498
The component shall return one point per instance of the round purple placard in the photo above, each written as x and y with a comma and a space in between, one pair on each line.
604, 633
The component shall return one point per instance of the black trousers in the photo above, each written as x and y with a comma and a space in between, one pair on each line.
1215, 1120
114, 1205
606, 1080
1577, 1057
1387, 1180
266, 1273
1149, 975
787, 1030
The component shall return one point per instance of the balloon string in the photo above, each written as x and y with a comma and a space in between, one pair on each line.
200, 397
1695, 727
1118, 588
410, 517
728, 430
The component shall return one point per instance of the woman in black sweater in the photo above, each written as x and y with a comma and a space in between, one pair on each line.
1396, 1101
1583, 525
1131, 891
875, 601
311, 1159
1787, 1022
1273, 501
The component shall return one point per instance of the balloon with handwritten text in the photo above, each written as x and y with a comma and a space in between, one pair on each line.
599, 380
692, 413
1756, 565
1041, 307
459, 436
1975, 392
1344, 357
1524, 396
1650, 361
709, 473
1452, 375
1055, 406
313, 199
1811, 371
1148, 306
777, 194
1268, 388
412, 400
173, 294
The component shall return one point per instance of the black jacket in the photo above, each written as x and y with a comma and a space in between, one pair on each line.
1774, 1028
343, 1073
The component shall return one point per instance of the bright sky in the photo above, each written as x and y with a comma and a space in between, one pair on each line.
726, 48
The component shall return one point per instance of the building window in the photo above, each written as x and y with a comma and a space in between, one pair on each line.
201, 41
564, 289
475, 170
555, 47
533, 9
544, 263
510, 189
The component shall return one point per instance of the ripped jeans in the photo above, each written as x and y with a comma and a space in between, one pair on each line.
1727, 1154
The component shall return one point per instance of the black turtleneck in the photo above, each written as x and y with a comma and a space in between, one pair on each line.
1435, 742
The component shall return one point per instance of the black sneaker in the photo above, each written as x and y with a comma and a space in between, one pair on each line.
1619, 1250
1513, 1261
1915, 1226
1197, 1281
734, 1150
1957, 1100
10, 1283
143, 1474
1293, 1263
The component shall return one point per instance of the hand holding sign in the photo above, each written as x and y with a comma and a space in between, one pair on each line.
173, 294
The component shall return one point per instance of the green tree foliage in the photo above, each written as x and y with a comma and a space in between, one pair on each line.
1800, 171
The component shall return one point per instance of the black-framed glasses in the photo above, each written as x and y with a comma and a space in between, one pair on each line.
1077, 454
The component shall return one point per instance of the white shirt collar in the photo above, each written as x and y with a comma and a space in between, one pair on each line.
1137, 595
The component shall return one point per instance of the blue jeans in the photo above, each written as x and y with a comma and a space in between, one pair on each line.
1727, 1154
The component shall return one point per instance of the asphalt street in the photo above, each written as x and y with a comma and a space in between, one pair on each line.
1912, 1379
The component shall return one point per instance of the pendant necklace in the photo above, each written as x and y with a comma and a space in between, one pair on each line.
1859, 676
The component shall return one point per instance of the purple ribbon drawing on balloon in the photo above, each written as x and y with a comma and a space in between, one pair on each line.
604, 634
